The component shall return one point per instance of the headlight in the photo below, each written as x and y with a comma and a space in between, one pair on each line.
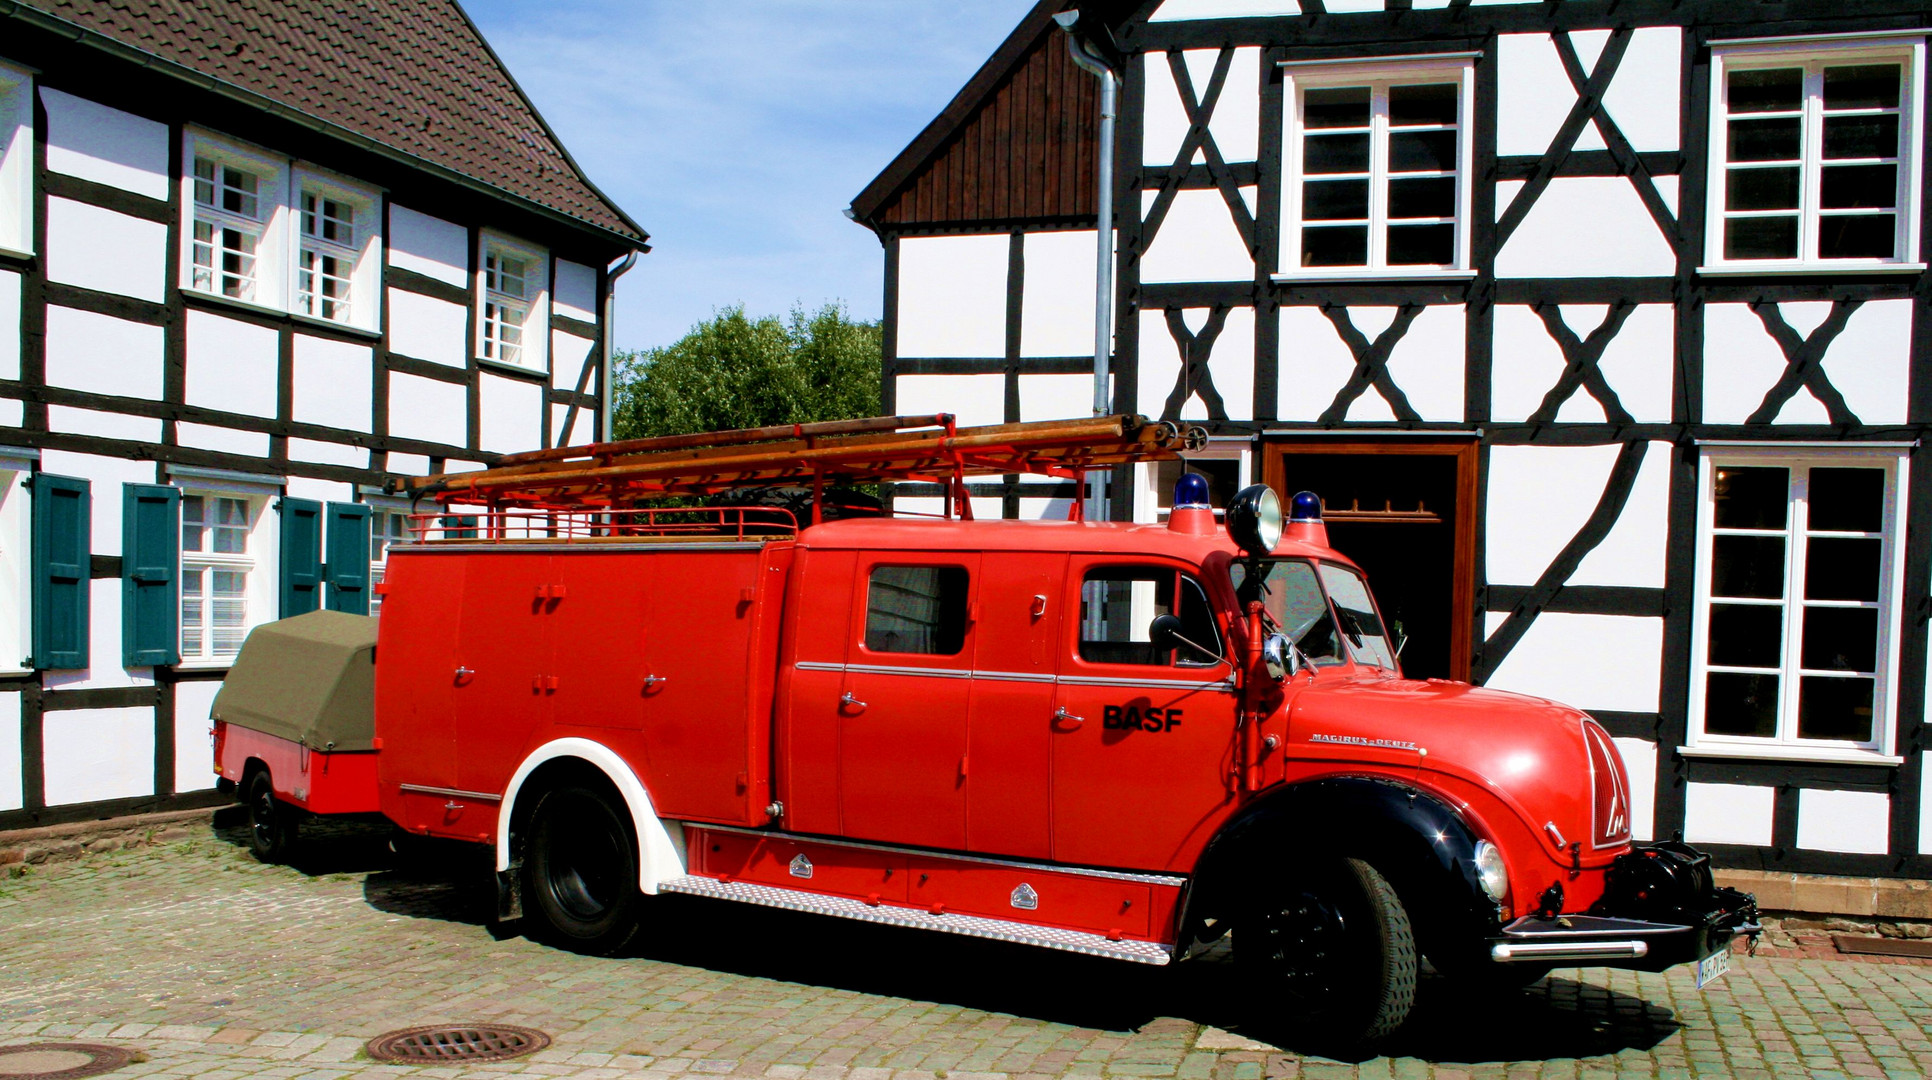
1490, 871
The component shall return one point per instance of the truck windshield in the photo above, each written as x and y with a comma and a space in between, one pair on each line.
1322, 611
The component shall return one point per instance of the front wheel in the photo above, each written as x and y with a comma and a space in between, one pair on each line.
1332, 953
272, 827
580, 870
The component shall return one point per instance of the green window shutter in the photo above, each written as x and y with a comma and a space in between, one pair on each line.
63, 525
348, 566
301, 556
150, 575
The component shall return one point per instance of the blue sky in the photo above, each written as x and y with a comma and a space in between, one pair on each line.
737, 131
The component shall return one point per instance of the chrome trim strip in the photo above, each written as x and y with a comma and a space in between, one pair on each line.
1513, 951
588, 546
1155, 684
1143, 952
896, 669
817, 665
1017, 864
454, 793
1015, 676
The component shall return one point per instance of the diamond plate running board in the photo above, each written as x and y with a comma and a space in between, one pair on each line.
1046, 937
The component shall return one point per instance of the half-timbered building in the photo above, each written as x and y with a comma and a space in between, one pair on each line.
1600, 327
255, 258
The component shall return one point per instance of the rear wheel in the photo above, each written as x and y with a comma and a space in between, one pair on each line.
1333, 954
580, 870
272, 826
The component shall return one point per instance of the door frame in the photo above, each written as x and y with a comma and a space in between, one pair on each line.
1465, 451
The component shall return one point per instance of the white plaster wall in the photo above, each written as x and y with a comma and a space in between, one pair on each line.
105, 250
1197, 240
1045, 509
408, 464
327, 491
428, 245
9, 325
1235, 124
428, 409
1164, 122
225, 440
1183, 10
578, 434
1869, 361
1428, 363
952, 296
1533, 95
194, 768
1056, 308
1640, 762
1639, 362
103, 668
66, 420
102, 354
1632, 554
1315, 364
1230, 364
1056, 397
98, 754
1527, 363
105, 145
985, 508
327, 453
974, 399
1848, 821
12, 412
233, 365
427, 328
1643, 97
1741, 363
576, 296
1584, 226
1539, 496
511, 414
568, 353
1588, 661
333, 383
13, 790
1727, 814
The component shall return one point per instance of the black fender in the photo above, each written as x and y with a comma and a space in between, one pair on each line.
1417, 841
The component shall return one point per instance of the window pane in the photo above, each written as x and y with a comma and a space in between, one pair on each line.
1117, 604
1355, 615
1197, 626
1323, 154
1748, 566
1340, 107
1767, 90
1332, 200
1751, 498
1747, 635
1846, 500
1764, 140
1738, 704
1422, 151
191, 511
1431, 103
1840, 639
1842, 569
1857, 236
1861, 136
1835, 708
1422, 245
916, 609
1864, 86
1295, 601
1427, 197
1761, 238
1858, 187
1761, 189
1340, 246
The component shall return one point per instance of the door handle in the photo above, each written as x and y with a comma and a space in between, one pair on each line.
651, 681
1039, 605
464, 673
1061, 713
847, 701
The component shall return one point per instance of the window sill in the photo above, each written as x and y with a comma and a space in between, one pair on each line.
15, 253
1770, 269
1374, 275
1819, 755
266, 309
204, 665
331, 324
514, 369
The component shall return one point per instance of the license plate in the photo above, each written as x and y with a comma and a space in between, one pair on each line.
1712, 967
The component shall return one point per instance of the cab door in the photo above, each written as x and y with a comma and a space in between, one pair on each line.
1143, 736
1010, 725
902, 717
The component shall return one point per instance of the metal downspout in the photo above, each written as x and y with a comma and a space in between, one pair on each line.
1085, 58
608, 398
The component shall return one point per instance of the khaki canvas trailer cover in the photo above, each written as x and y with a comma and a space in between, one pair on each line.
310, 679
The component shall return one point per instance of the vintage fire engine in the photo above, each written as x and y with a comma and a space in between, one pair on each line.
1116, 739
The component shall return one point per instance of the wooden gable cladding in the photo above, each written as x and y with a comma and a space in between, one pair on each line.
1024, 153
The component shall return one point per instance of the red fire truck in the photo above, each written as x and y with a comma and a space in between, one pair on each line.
1117, 739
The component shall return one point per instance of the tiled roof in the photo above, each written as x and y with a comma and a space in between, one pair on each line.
413, 75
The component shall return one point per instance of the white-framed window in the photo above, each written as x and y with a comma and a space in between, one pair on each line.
338, 254
16, 159
1376, 168
1815, 147
219, 594
513, 303
1224, 462
1799, 579
387, 526
235, 197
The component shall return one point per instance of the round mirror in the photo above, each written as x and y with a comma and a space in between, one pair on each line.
1254, 519
1279, 657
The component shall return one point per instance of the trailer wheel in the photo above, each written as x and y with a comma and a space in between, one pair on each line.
272, 825
1334, 955
581, 871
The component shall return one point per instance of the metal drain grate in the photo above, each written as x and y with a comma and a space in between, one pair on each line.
60, 1061
456, 1042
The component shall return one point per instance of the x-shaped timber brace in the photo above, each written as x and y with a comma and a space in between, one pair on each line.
921, 449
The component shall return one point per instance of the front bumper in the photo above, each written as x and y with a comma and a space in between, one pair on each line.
1660, 908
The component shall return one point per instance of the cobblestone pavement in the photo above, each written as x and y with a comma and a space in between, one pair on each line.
210, 965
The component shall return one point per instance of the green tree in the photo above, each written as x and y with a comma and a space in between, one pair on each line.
731, 371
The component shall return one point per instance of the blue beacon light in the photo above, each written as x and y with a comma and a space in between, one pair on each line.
1191, 492
1307, 506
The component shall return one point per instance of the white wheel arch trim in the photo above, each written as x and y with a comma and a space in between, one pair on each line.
660, 855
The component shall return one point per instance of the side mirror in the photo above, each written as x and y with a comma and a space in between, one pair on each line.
1166, 633
1280, 658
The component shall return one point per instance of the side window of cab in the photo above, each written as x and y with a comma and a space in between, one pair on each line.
920, 610
1118, 605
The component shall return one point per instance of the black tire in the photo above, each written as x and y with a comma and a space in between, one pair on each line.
272, 824
1331, 955
580, 871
